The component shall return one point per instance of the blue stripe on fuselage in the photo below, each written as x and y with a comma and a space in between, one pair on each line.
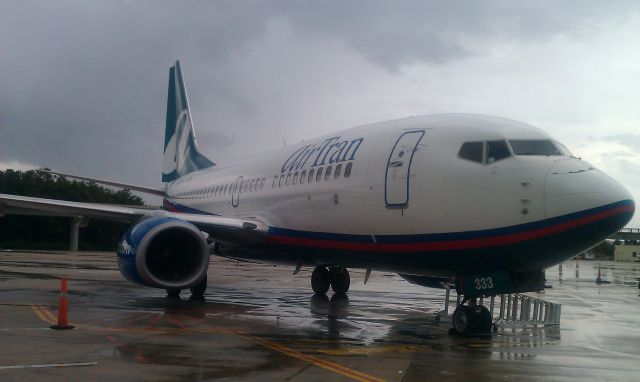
436, 237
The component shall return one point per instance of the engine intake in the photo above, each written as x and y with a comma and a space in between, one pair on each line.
164, 253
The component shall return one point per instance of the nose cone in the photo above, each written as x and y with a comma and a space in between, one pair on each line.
575, 187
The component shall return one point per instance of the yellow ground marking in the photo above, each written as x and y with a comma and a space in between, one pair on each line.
44, 314
327, 365
369, 350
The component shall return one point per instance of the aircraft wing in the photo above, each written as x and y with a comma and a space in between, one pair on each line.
229, 230
133, 187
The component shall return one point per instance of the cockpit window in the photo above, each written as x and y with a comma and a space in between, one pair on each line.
563, 149
534, 147
471, 151
497, 150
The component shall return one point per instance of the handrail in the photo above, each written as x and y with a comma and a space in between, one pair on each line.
513, 310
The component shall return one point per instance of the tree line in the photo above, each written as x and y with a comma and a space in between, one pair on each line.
49, 232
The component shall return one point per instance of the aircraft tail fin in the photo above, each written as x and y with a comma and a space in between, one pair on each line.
181, 155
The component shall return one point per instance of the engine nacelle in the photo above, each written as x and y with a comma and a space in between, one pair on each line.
163, 252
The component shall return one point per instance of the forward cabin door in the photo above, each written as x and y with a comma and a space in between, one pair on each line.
396, 191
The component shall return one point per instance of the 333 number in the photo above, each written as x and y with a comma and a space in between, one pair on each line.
483, 283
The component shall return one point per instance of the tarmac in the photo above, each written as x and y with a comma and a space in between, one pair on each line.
262, 323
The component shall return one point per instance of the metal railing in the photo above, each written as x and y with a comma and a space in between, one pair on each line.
512, 309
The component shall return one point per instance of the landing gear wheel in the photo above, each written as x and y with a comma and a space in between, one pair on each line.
320, 280
462, 320
340, 280
199, 289
471, 321
174, 293
486, 322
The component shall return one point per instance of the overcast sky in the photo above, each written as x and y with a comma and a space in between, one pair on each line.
83, 83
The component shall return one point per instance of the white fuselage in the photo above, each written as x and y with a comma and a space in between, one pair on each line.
446, 193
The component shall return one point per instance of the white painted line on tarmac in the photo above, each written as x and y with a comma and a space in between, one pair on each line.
49, 365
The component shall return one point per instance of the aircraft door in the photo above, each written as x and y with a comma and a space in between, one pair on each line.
396, 190
235, 192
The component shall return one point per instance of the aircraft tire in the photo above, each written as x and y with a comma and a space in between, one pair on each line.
174, 293
340, 280
463, 320
199, 289
485, 322
320, 280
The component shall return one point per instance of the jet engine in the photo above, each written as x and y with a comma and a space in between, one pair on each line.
163, 252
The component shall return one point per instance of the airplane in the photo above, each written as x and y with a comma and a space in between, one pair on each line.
483, 201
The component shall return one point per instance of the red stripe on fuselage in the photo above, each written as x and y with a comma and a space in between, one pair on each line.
453, 244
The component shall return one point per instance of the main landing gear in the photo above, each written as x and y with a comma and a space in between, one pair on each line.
471, 320
197, 291
336, 277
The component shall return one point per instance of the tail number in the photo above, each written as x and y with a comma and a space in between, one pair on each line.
483, 283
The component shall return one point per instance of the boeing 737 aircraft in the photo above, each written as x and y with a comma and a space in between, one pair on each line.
485, 201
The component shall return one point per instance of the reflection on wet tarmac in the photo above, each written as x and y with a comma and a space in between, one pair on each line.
274, 328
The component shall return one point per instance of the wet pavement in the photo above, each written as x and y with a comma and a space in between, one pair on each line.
260, 322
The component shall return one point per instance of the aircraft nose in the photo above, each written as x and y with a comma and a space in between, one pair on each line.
574, 186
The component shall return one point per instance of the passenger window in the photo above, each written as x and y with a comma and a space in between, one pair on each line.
310, 179
319, 174
471, 151
303, 176
295, 178
327, 175
336, 175
347, 169
288, 180
497, 150
281, 180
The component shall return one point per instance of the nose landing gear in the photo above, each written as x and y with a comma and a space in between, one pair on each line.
335, 277
474, 320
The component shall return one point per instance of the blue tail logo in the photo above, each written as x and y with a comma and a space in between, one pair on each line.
181, 155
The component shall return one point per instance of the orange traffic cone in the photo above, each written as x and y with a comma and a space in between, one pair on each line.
62, 308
